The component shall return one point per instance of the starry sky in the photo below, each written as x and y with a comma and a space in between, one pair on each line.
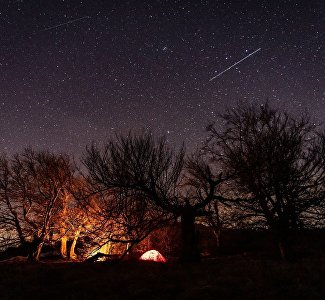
72, 72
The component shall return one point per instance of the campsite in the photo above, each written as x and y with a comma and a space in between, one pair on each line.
244, 266
157, 149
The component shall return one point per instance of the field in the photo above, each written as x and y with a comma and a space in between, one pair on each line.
229, 277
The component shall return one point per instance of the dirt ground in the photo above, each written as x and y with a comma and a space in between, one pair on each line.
231, 277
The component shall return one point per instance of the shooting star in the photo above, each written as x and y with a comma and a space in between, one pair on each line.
66, 23
238, 62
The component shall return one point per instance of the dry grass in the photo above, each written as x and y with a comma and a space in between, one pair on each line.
230, 277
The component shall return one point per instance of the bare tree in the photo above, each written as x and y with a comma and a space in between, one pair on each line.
150, 171
10, 218
278, 162
31, 190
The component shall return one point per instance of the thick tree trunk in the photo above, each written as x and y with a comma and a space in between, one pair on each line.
64, 238
35, 249
38, 251
63, 247
72, 254
189, 238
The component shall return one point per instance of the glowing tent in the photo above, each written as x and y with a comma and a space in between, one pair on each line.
153, 255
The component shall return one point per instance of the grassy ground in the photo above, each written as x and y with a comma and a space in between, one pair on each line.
233, 277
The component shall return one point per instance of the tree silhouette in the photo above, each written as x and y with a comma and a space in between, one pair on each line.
142, 165
31, 189
278, 163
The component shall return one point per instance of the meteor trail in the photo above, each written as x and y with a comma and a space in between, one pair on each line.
62, 24
238, 62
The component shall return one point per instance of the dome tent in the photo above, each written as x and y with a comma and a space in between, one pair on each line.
153, 255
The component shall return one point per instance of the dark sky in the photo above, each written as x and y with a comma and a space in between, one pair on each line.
76, 71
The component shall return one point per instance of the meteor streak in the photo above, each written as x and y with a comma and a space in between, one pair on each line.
238, 62
62, 24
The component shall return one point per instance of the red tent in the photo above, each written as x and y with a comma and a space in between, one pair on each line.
153, 255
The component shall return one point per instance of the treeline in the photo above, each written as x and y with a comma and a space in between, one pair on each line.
259, 168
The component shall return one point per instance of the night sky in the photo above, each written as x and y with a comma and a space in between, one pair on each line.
76, 71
